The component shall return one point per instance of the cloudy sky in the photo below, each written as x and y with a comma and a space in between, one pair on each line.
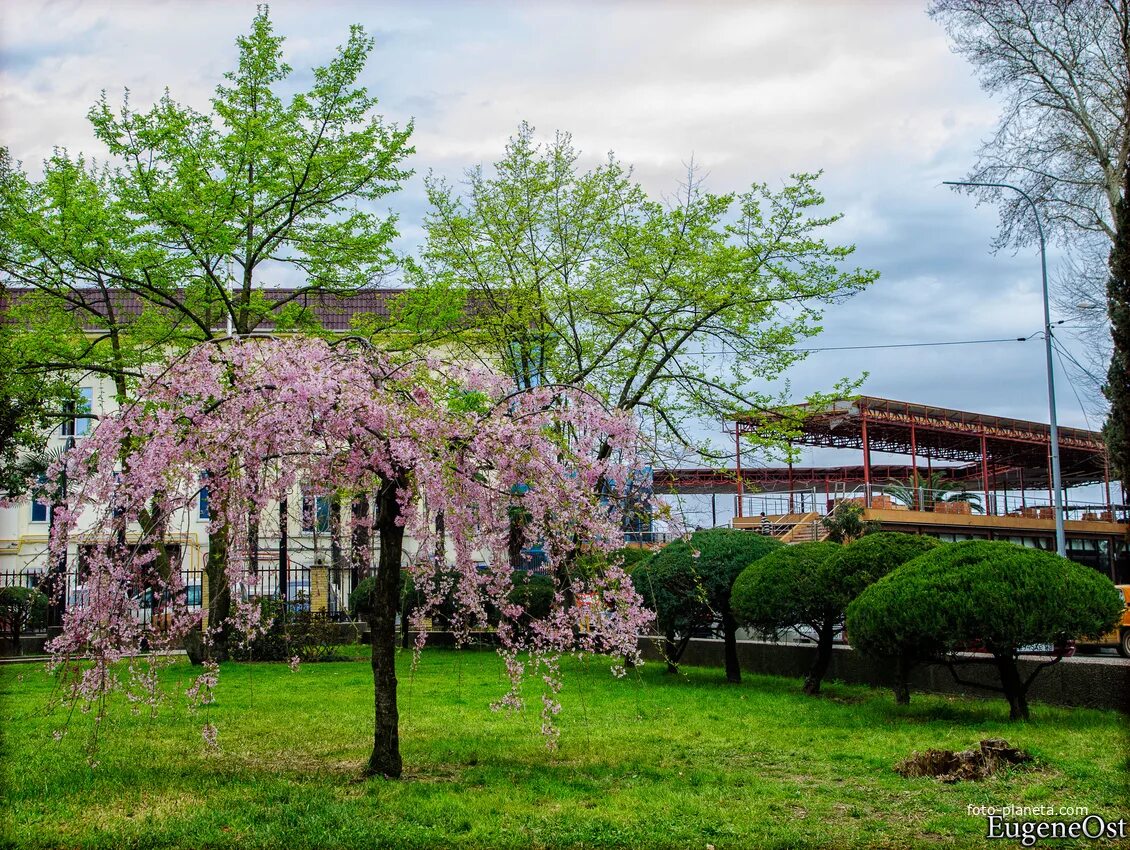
867, 91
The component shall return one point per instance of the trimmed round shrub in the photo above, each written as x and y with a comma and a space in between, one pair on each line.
786, 588
360, 599
863, 562
867, 559
983, 594
688, 585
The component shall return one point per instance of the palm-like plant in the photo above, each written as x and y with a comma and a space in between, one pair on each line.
932, 489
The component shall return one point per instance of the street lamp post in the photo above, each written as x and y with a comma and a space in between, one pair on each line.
1060, 538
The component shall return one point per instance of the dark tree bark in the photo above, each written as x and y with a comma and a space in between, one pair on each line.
337, 559
823, 658
903, 667
1117, 388
1015, 690
730, 639
360, 536
385, 760
219, 595
671, 652
673, 649
516, 540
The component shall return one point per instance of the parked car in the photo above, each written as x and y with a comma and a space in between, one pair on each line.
1119, 636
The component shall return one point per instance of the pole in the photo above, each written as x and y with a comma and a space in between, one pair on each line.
914, 467
1060, 536
738, 462
866, 461
985, 472
790, 476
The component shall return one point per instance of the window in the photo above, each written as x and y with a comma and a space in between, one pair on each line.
315, 514
39, 511
74, 425
86, 405
204, 497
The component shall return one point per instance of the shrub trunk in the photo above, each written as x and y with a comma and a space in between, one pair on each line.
730, 639
902, 679
1012, 686
823, 659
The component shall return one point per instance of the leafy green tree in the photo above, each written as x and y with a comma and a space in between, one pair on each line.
579, 278
981, 594
32, 403
688, 585
192, 211
863, 562
845, 523
787, 588
260, 184
20, 609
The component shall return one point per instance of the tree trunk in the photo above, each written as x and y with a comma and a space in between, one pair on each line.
515, 540
1117, 388
1013, 687
385, 760
823, 659
360, 536
730, 637
671, 652
902, 679
219, 595
336, 553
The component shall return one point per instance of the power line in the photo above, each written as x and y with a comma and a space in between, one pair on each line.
887, 345
916, 344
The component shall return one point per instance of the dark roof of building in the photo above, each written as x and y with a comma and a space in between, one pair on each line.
334, 312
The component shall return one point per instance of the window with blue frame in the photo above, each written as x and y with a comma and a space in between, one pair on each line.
204, 497
315, 514
39, 511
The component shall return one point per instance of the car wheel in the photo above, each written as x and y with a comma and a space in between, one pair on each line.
1124, 644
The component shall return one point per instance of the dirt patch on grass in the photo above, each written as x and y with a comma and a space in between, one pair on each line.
968, 765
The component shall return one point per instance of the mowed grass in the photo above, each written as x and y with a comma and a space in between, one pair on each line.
651, 760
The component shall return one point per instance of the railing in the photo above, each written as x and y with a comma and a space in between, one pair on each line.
145, 601
780, 504
1029, 504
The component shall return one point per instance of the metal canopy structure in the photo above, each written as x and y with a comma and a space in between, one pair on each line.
771, 479
1008, 452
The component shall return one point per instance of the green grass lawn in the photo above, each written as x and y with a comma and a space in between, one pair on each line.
647, 761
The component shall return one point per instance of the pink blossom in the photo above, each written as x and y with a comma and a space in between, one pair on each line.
262, 417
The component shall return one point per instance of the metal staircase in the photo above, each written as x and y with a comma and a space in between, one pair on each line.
798, 527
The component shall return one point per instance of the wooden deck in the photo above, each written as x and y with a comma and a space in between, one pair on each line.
894, 519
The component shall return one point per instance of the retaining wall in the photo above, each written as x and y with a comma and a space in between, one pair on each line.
1096, 682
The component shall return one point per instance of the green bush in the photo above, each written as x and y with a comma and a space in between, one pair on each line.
864, 561
307, 635
860, 564
534, 593
982, 594
688, 586
632, 556
788, 587
21, 608
360, 599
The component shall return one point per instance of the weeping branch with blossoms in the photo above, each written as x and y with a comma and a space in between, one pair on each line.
424, 438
